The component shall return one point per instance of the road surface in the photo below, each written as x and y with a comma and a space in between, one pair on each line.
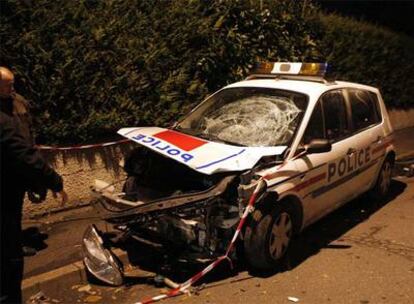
362, 253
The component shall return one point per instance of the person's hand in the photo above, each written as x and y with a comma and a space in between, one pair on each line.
37, 194
36, 197
63, 196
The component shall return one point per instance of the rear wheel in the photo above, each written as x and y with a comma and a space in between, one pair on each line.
382, 185
268, 237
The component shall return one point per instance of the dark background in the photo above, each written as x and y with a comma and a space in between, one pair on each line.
396, 15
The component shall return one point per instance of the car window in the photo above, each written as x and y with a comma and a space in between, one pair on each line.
315, 128
377, 108
334, 109
364, 109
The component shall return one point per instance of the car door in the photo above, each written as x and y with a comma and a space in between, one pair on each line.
366, 136
329, 120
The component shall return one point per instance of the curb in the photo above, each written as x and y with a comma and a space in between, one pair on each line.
60, 278
405, 156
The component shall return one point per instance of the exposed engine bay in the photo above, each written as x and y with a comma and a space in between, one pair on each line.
166, 203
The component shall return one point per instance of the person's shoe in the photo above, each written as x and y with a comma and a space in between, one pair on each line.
29, 251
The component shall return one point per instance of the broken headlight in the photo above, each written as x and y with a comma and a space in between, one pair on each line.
100, 261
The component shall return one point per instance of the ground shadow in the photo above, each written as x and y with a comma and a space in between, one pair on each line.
310, 242
333, 226
32, 237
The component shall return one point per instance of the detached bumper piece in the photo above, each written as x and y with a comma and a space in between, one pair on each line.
99, 261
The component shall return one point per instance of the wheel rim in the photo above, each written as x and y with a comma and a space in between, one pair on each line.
280, 236
385, 178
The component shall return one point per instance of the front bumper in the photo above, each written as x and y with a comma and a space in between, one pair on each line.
99, 261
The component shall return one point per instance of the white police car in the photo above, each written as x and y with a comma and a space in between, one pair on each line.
317, 143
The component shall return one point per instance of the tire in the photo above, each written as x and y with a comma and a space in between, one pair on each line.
267, 238
382, 185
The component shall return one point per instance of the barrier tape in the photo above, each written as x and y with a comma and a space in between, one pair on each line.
183, 288
80, 147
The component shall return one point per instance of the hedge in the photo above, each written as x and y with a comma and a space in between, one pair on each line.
365, 53
90, 67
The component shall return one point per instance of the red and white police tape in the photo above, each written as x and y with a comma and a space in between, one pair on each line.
183, 288
80, 147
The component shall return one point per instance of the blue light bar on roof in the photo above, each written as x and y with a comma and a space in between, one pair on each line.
291, 68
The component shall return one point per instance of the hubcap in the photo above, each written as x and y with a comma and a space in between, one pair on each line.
280, 235
385, 178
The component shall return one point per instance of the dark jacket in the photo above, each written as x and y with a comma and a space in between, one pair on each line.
22, 167
19, 109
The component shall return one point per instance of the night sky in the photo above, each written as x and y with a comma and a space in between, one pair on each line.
396, 15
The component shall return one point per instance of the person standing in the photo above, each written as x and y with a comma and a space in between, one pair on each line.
22, 169
15, 105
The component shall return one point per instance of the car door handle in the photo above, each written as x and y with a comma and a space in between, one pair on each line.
350, 151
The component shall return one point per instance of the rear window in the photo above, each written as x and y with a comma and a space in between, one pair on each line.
374, 99
364, 109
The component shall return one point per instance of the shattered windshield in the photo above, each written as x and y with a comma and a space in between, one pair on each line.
247, 117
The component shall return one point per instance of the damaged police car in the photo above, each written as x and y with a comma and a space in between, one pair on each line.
317, 143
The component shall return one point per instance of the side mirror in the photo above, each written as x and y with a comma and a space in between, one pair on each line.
318, 146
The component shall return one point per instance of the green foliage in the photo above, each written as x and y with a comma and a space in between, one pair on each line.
362, 52
90, 66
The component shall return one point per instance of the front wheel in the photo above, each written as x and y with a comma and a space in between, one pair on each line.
268, 237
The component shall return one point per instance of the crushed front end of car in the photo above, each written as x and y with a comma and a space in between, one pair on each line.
178, 209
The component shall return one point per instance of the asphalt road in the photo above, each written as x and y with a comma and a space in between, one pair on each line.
362, 253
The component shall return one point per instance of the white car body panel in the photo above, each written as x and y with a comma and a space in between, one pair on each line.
199, 154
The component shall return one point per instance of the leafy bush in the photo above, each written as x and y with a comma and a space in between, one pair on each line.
91, 67
362, 52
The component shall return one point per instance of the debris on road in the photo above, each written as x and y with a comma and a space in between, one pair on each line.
92, 299
85, 288
293, 299
41, 298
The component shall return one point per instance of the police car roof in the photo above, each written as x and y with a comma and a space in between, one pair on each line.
311, 88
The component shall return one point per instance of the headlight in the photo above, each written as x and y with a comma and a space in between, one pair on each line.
99, 261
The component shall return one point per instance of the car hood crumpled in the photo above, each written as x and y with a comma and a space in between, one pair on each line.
204, 156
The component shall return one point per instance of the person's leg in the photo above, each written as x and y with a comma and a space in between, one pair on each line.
11, 250
11, 279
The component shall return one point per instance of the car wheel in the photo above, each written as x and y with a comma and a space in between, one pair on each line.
382, 185
268, 237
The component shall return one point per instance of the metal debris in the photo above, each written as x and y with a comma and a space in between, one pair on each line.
293, 299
